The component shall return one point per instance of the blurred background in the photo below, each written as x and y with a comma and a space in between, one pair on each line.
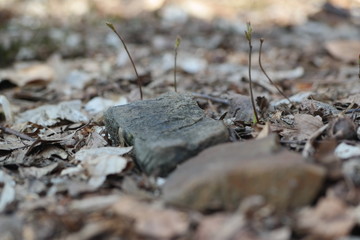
35, 29
301, 38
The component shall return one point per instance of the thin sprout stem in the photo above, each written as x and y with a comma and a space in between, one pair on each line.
139, 83
359, 65
177, 44
175, 84
250, 83
267, 76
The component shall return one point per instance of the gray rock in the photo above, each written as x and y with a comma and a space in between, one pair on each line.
221, 177
164, 131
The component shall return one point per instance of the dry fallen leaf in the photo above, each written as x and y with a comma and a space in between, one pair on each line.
99, 104
231, 228
306, 125
39, 73
152, 221
96, 152
91, 204
345, 50
38, 172
330, 219
6, 108
346, 151
7, 190
48, 115
98, 168
100, 162
355, 98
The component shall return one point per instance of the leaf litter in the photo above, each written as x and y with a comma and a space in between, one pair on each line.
60, 177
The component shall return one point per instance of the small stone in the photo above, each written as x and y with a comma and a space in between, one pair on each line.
222, 176
164, 131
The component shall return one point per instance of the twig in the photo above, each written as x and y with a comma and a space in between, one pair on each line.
177, 44
248, 37
16, 133
352, 110
111, 26
267, 76
211, 98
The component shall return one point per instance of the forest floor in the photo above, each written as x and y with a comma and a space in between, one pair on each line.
61, 67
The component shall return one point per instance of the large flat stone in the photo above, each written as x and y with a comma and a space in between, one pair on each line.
221, 176
164, 131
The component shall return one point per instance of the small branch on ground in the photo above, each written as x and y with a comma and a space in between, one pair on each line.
211, 98
16, 133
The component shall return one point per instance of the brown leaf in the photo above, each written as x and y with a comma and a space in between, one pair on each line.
344, 50
330, 219
38, 172
355, 98
152, 221
306, 125
39, 73
225, 226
